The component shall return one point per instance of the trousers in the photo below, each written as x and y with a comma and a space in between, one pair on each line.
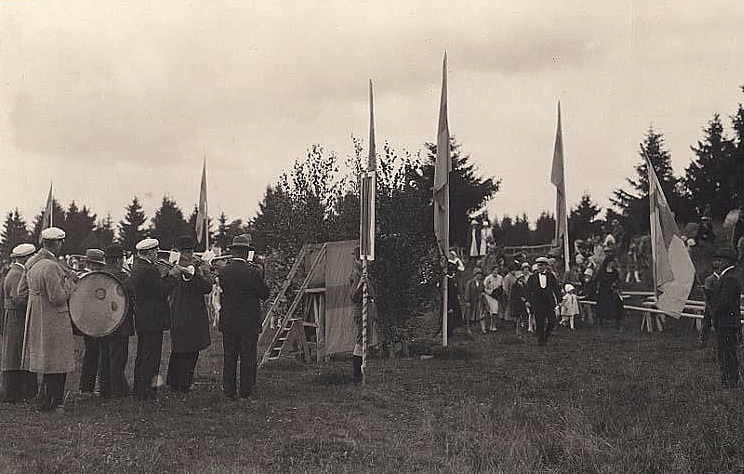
727, 356
545, 321
114, 352
89, 370
241, 348
147, 363
52, 391
181, 367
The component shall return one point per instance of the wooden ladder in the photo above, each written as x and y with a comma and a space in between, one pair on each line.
292, 328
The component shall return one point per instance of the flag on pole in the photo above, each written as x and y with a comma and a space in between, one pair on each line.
47, 220
201, 215
673, 270
442, 169
368, 190
557, 177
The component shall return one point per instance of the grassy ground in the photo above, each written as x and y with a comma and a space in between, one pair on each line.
594, 400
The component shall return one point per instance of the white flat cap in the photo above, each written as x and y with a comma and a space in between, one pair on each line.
52, 233
147, 244
23, 250
541, 260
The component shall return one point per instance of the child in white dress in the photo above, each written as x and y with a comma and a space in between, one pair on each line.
569, 306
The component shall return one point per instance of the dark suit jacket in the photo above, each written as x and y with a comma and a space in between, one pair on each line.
543, 300
151, 311
243, 288
726, 300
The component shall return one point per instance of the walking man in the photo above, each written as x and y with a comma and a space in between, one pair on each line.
543, 295
726, 314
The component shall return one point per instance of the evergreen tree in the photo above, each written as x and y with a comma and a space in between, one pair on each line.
58, 220
544, 229
737, 173
79, 223
130, 228
221, 239
581, 220
168, 223
200, 246
14, 233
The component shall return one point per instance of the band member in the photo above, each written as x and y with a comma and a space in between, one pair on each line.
115, 346
727, 315
15, 384
151, 315
189, 318
543, 295
48, 345
93, 261
243, 288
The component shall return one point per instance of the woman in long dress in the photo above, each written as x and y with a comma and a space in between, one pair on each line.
609, 303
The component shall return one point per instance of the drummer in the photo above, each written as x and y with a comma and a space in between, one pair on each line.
93, 261
115, 346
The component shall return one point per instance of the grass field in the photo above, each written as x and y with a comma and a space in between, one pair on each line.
594, 400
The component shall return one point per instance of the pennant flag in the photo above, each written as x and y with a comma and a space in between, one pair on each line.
442, 169
558, 179
201, 215
368, 190
673, 270
47, 219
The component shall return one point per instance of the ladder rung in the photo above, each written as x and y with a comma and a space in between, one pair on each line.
312, 325
282, 339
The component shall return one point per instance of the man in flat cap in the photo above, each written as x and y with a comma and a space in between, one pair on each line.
48, 348
115, 346
15, 384
93, 261
151, 315
543, 295
189, 318
243, 288
726, 315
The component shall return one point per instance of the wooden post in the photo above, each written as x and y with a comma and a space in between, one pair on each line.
365, 302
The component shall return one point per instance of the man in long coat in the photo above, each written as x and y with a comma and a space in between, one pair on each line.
726, 315
243, 288
151, 315
115, 347
15, 384
189, 319
48, 346
543, 295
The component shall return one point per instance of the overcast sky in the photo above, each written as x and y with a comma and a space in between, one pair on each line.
116, 99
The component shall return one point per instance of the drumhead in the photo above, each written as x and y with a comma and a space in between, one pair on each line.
99, 304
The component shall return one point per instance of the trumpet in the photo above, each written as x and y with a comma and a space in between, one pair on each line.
168, 266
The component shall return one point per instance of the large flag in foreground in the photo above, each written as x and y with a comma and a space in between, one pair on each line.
201, 215
368, 189
674, 272
442, 169
46, 220
558, 179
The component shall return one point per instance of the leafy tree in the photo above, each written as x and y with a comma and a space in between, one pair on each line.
544, 229
58, 219
468, 192
168, 223
130, 228
581, 219
634, 204
709, 180
14, 233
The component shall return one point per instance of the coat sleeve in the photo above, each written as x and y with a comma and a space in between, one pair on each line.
57, 287
729, 298
15, 296
203, 285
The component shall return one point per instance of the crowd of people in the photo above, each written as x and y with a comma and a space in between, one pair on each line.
37, 343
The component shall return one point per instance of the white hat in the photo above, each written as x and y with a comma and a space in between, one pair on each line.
23, 250
534, 267
568, 288
147, 244
541, 260
52, 233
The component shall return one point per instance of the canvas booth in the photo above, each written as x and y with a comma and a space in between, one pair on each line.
319, 322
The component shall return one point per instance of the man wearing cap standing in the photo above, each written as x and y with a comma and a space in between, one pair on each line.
243, 288
115, 346
543, 296
726, 315
93, 261
48, 347
151, 315
15, 384
189, 318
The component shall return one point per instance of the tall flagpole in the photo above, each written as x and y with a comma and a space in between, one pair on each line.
442, 169
206, 211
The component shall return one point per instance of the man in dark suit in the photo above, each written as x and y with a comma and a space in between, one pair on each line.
543, 295
243, 288
726, 315
151, 315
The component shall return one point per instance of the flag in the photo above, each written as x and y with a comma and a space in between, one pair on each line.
558, 179
368, 190
201, 215
47, 220
673, 270
442, 168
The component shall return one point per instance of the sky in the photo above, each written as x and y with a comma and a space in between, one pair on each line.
110, 100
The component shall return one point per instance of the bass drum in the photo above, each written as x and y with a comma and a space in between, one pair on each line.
99, 304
